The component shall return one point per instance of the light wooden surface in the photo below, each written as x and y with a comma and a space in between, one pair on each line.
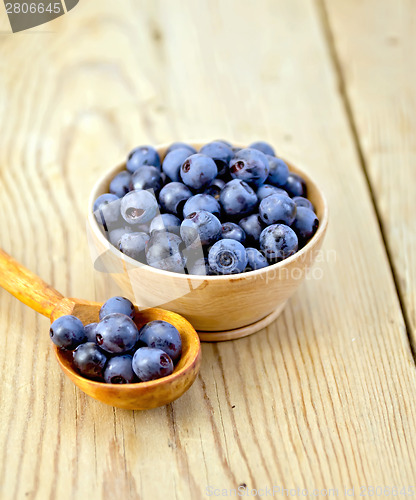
377, 53
323, 398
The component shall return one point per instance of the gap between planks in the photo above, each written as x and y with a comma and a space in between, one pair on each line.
338, 71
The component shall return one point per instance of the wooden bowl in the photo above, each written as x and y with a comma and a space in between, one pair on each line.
219, 307
145, 395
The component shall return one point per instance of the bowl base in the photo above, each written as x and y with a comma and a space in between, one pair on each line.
244, 331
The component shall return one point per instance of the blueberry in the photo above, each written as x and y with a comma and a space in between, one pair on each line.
214, 188
227, 257
115, 235
201, 224
90, 360
278, 208
233, 232
305, 225
138, 207
264, 147
162, 335
90, 331
165, 178
173, 162
267, 189
116, 333
200, 267
67, 332
119, 305
120, 184
295, 185
163, 251
173, 196
278, 242
303, 202
194, 251
141, 156
198, 171
151, 364
165, 222
107, 209
255, 259
202, 202
278, 171
103, 200
119, 370
252, 226
181, 145
221, 153
238, 198
226, 143
146, 178
224, 176
250, 165
133, 245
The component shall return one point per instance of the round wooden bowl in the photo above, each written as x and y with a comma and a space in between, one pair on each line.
146, 395
219, 307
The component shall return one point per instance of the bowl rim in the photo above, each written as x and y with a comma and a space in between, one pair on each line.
145, 386
323, 223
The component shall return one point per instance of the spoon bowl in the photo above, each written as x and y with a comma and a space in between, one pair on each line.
35, 293
140, 395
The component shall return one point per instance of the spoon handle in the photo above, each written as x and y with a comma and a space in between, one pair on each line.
26, 286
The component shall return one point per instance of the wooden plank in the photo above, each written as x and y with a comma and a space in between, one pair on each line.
323, 398
375, 45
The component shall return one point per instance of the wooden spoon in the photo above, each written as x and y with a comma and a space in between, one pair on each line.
34, 292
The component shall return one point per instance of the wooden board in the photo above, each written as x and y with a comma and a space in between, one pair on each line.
376, 50
325, 397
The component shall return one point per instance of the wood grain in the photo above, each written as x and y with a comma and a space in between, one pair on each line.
323, 398
377, 58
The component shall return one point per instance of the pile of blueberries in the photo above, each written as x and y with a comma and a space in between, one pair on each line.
222, 210
115, 350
